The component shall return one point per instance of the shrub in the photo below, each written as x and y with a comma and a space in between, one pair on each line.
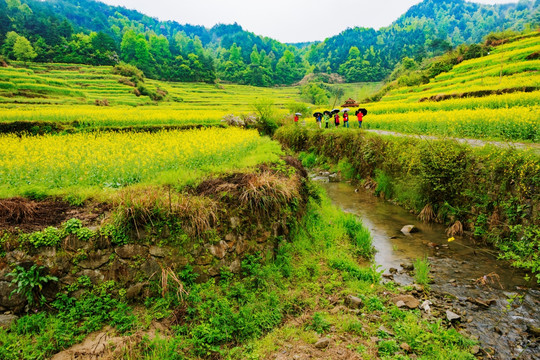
130, 71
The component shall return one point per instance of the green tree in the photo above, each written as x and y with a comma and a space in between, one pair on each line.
287, 69
136, 51
23, 50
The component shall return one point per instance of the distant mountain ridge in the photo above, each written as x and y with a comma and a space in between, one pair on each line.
162, 48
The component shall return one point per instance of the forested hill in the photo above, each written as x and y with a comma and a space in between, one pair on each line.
426, 29
90, 32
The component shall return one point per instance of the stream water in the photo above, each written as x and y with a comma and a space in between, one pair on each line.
496, 304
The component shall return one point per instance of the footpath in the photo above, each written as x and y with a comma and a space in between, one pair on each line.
473, 142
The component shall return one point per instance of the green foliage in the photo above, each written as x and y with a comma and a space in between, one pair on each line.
30, 283
266, 112
23, 50
421, 272
374, 303
443, 171
387, 347
319, 324
114, 233
315, 93
346, 169
39, 336
523, 248
359, 235
72, 226
130, 71
298, 107
50, 236
308, 159
385, 184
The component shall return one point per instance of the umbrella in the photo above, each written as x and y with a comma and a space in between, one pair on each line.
326, 112
299, 114
334, 111
317, 114
363, 111
346, 109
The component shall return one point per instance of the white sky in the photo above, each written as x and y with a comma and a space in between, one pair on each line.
284, 20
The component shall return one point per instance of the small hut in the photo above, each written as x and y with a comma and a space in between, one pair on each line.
350, 103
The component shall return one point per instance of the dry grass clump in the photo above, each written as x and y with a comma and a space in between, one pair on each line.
139, 207
427, 214
166, 276
17, 210
267, 192
495, 219
455, 230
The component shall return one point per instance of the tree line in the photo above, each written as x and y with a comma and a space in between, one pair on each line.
90, 32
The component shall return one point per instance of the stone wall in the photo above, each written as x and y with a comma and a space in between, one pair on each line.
237, 232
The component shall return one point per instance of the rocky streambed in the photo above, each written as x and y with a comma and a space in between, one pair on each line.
470, 289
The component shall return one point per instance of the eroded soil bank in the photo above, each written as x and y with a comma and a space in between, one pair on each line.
495, 303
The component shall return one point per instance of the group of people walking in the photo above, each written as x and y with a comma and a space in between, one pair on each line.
327, 115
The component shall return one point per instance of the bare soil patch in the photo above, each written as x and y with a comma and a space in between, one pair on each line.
29, 215
108, 345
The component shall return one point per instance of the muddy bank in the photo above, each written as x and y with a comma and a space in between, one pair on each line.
494, 302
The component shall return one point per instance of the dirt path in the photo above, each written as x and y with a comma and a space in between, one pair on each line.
472, 142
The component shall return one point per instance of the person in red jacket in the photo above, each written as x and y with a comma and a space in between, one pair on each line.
345, 119
296, 119
360, 116
336, 119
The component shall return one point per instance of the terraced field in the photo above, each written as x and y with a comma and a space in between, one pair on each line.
50, 91
495, 96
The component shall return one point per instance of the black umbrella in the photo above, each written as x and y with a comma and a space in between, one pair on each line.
326, 112
335, 111
317, 114
363, 111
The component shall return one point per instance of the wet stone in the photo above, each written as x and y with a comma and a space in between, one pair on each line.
452, 316
130, 251
400, 304
407, 266
408, 300
322, 343
157, 251
353, 302
409, 229
7, 320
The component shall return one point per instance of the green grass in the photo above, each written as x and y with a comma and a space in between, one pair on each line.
421, 272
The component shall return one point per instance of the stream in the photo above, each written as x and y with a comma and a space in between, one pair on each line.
496, 304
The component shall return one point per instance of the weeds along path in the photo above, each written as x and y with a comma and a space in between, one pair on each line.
472, 142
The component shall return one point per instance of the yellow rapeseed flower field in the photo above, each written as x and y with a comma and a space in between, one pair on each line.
113, 159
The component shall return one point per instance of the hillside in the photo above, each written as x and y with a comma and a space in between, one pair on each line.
493, 96
428, 28
89, 32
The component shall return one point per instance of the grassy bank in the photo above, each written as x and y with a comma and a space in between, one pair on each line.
489, 192
292, 300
